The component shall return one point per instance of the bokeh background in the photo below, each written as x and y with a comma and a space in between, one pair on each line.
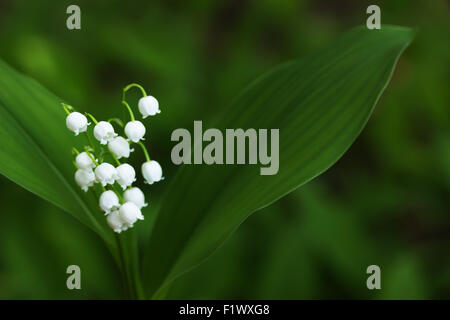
386, 202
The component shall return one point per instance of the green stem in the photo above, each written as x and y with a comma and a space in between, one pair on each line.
116, 120
129, 110
123, 267
115, 159
92, 117
117, 193
102, 154
90, 140
92, 157
161, 294
131, 85
147, 157
113, 156
123, 115
67, 108
75, 151
136, 265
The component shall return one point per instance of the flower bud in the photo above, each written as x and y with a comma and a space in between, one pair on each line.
135, 131
105, 173
130, 213
76, 122
120, 147
152, 171
104, 132
84, 161
148, 106
136, 196
126, 175
85, 178
109, 201
115, 222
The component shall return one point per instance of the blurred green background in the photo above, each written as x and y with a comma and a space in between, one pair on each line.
385, 202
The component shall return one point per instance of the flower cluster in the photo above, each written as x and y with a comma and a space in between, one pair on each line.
122, 206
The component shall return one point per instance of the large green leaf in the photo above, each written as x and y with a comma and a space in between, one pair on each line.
36, 147
320, 104
36, 154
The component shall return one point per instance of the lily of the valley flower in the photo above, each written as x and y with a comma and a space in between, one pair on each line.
106, 173
129, 213
120, 147
115, 222
152, 171
104, 132
77, 122
109, 201
85, 178
135, 131
148, 106
136, 196
84, 161
122, 208
125, 175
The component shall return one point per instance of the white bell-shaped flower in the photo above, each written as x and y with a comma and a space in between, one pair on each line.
148, 106
130, 213
76, 122
104, 132
109, 201
152, 171
84, 161
115, 222
120, 147
136, 196
135, 131
106, 173
85, 178
125, 175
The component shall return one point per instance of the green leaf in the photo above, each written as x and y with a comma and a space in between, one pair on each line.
320, 104
36, 147
36, 154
